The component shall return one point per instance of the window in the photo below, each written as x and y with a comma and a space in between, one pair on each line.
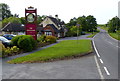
48, 33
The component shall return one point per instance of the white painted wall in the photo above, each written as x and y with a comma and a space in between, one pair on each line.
47, 21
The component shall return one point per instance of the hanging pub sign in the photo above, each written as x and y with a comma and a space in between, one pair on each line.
31, 21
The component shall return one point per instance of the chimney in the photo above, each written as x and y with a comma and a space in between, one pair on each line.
56, 16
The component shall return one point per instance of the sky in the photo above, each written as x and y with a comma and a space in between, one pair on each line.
102, 10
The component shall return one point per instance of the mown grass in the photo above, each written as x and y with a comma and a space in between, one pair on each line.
104, 28
61, 50
93, 34
115, 35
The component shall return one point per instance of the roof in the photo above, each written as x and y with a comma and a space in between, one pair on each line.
16, 27
13, 27
39, 28
56, 21
55, 29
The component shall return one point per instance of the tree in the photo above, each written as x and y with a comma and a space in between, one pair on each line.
22, 19
114, 24
86, 24
72, 22
6, 13
91, 23
11, 19
16, 15
82, 22
71, 27
40, 19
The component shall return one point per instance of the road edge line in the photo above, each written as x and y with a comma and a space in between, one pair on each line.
95, 49
98, 67
97, 64
112, 37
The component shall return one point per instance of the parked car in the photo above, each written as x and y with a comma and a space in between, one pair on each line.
4, 41
9, 36
83, 33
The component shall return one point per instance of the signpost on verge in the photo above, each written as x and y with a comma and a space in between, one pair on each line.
31, 22
78, 26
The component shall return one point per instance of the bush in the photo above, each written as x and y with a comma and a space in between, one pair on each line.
25, 42
50, 39
14, 49
42, 38
3, 50
15, 39
9, 51
118, 32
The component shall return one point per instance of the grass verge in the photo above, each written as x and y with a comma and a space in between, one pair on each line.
115, 35
61, 50
91, 35
104, 28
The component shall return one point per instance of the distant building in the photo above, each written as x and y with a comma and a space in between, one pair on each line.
53, 26
16, 28
13, 28
119, 9
49, 26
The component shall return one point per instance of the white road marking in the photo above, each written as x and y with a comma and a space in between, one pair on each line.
110, 42
99, 70
96, 50
117, 46
112, 37
98, 67
101, 61
106, 70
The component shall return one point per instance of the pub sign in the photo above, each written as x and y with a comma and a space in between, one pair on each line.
31, 21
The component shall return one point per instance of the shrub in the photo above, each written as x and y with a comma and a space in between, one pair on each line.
42, 38
25, 42
14, 49
118, 31
15, 39
9, 51
50, 39
3, 50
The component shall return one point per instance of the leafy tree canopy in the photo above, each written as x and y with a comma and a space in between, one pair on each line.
11, 19
6, 13
114, 24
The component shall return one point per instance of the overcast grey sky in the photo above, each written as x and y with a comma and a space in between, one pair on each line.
102, 10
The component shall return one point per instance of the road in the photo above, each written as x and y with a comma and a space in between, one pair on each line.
107, 49
80, 68
102, 64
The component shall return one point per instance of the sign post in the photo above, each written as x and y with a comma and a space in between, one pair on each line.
78, 25
31, 22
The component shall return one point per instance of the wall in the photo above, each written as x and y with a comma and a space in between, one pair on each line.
48, 21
